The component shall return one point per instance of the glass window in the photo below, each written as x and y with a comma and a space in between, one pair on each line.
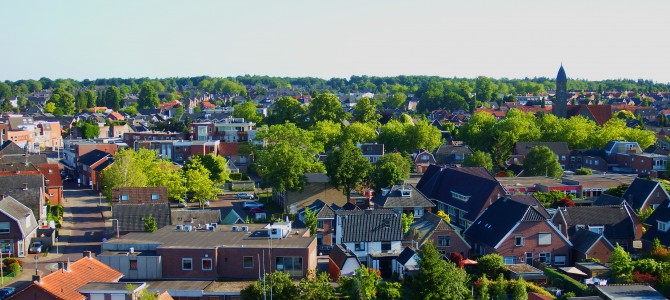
359, 247
154, 196
386, 246
662, 226
544, 239
444, 241
559, 260
518, 241
597, 229
545, 257
4, 227
289, 264
509, 260
124, 197
206, 264
187, 264
133, 265
247, 262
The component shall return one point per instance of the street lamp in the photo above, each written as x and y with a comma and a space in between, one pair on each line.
117, 226
36, 258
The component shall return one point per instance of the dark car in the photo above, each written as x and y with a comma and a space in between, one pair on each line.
6, 292
35, 248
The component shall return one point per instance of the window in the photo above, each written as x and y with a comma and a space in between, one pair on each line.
544, 239
509, 260
359, 247
206, 264
289, 264
459, 196
662, 226
124, 197
386, 246
597, 229
4, 227
418, 212
248, 262
545, 257
559, 260
518, 241
186, 264
133, 265
154, 196
444, 241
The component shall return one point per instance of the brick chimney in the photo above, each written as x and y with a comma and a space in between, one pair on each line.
37, 278
88, 254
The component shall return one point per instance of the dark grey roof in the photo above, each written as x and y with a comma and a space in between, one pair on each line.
662, 214
607, 200
532, 201
522, 148
93, 157
561, 77
451, 154
16, 210
30, 159
638, 192
11, 148
423, 229
131, 216
476, 183
372, 149
199, 216
381, 225
326, 212
30, 196
349, 206
629, 291
105, 164
339, 255
406, 255
315, 206
394, 198
615, 219
583, 240
491, 227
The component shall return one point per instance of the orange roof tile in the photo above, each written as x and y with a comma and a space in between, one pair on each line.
165, 296
52, 173
64, 284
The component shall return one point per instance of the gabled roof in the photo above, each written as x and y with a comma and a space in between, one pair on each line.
202, 216
406, 255
104, 165
584, 239
380, 225
11, 148
372, 149
446, 153
639, 191
327, 212
500, 219
601, 113
529, 199
19, 212
339, 255
30, 196
607, 200
421, 231
660, 214
522, 148
616, 220
51, 174
394, 198
476, 183
64, 284
93, 157
131, 216
230, 217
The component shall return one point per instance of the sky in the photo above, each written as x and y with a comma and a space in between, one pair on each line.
84, 39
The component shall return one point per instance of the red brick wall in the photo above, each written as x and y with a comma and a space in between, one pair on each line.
172, 263
457, 244
641, 165
137, 195
530, 231
601, 251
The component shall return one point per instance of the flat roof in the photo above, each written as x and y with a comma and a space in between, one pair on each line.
528, 182
600, 180
592, 265
108, 286
222, 236
632, 291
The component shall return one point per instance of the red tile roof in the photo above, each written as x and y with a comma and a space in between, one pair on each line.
116, 116
601, 113
64, 284
52, 173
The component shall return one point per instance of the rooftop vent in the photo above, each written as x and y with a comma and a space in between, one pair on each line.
180, 227
188, 227
245, 228
235, 228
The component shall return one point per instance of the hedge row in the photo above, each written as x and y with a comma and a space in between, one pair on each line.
567, 283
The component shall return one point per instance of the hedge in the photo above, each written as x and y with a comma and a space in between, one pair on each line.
567, 283
531, 287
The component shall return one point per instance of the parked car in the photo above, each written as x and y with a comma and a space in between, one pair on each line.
245, 196
182, 204
6, 292
35, 248
252, 205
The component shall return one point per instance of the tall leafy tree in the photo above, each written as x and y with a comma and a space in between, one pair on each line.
326, 133
278, 283
148, 97
365, 112
63, 101
247, 110
439, 279
479, 159
347, 168
359, 133
390, 169
541, 161
484, 88
150, 224
362, 285
326, 107
622, 265
216, 165
316, 287
125, 172
286, 109
311, 221
198, 182
112, 98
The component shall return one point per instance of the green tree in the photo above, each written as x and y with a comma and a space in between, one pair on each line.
50, 107
479, 131
247, 110
148, 97
286, 109
362, 285
150, 224
422, 136
359, 133
279, 283
125, 172
7, 106
396, 100
617, 191
479, 159
622, 265
63, 101
216, 165
483, 291
326, 107
112, 98
583, 171
347, 168
389, 290
484, 88
491, 264
316, 287
390, 169
365, 112
519, 290
88, 130
439, 279
541, 161
326, 133
311, 221
499, 289
407, 220
91, 98
5, 91
198, 182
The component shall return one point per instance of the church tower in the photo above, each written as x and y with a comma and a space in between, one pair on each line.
560, 105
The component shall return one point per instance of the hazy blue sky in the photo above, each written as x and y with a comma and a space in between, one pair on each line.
595, 39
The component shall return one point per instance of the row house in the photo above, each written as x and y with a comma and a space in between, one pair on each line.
75, 148
89, 167
131, 138
433, 229
180, 151
463, 193
520, 234
14, 160
643, 194
29, 189
403, 199
185, 252
17, 227
228, 130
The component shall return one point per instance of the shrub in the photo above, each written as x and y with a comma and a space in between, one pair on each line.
567, 283
646, 265
536, 289
644, 278
15, 268
566, 202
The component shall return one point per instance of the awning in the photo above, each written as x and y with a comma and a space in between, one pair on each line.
468, 262
573, 271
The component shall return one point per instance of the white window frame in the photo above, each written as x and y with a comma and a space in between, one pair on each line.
246, 266
5, 228
124, 197
544, 236
662, 226
518, 240
442, 238
509, 260
545, 257
561, 261
599, 229
458, 196
211, 264
359, 246
183, 261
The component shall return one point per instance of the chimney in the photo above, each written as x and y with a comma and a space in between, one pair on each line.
37, 278
66, 265
88, 254
25, 186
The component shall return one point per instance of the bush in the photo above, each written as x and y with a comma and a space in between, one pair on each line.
567, 283
646, 265
644, 278
15, 268
536, 289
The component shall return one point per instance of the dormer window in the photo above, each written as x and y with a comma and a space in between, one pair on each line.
518, 241
405, 193
597, 229
662, 226
458, 196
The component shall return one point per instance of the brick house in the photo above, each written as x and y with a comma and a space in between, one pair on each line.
342, 262
463, 193
648, 164
131, 217
326, 227
17, 227
403, 199
618, 223
588, 244
87, 165
131, 138
560, 149
53, 183
214, 252
447, 154
643, 194
27, 189
422, 159
519, 233
140, 195
658, 224
433, 229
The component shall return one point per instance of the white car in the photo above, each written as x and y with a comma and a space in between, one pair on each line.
252, 204
245, 196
